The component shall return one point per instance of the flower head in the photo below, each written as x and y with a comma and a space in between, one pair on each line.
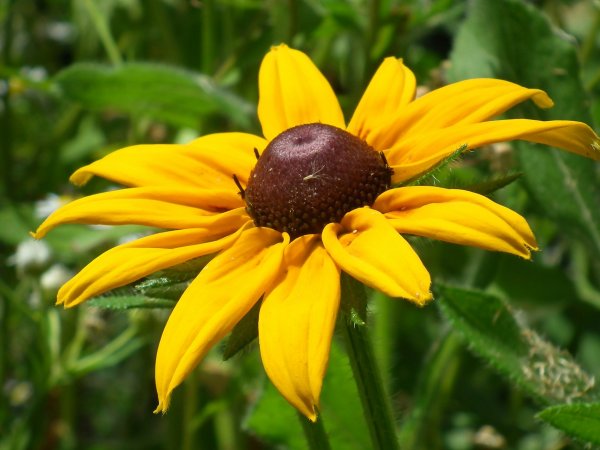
287, 212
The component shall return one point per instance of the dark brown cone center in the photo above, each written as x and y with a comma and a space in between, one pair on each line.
311, 175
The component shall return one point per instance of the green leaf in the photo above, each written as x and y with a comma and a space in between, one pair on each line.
421, 427
130, 302
492, 185
87, 140
160, 290
568, 189
579, 420
430, 176
527, 282
109, 355
243, 333
340, 404
566, 186
172, 282
17, 221
161, 92
162, 287
274, 420
489, 326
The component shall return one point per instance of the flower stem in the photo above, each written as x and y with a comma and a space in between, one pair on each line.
208, 44
315, 433
101, 26
6, 122
376, 407
190, 407
420, 428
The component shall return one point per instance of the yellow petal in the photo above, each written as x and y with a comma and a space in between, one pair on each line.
374, 253
131, 261
296, 323
161, 207
390, 90
415, 155
461, 103
215, 301
207, 162
292, 91
456, 216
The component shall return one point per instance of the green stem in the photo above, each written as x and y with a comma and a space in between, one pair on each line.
581, 267
190, 405
226, 429
420, 429
589, 42
383, 334
208, 46
5, 312
595, 79
376, 407
373, 28
315, 433
103, 32
6, 125
293, 20
124, 344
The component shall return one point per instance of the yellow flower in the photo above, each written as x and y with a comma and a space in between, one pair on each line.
318, 201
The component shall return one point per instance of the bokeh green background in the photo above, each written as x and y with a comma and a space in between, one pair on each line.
81, 78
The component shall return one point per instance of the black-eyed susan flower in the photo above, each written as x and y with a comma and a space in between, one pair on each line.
285, 213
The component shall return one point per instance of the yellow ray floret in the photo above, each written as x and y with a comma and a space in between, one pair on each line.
456, 216
297, 319
367, 247
215, 301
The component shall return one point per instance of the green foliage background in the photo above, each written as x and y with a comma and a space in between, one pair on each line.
506, 357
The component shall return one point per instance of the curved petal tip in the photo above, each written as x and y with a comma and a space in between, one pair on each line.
281, 46
542, 100
80, 177
596, 148
163, 405
421, 298
312, 416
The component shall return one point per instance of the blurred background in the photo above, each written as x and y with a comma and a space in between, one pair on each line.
80, 78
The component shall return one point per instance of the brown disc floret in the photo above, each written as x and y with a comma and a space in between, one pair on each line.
311, 175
